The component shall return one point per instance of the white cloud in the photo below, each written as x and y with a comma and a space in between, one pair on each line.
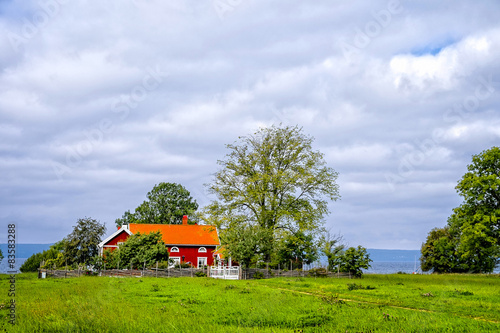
70, 87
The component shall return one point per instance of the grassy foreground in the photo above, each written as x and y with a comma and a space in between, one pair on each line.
376, 303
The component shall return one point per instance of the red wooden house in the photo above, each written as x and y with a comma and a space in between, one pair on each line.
186, 243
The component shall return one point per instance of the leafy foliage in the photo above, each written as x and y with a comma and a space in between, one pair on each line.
1, 255
473, 240
438, 252
33, 263
299, 247
139, 249
241, 242
333, 249
166, 204
83, 243
273, 180
354, 259
56, 262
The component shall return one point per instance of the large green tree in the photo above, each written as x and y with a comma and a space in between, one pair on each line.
83, 243
166, 204
474, 226
275, 181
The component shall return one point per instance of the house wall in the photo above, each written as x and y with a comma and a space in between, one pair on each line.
191, 254
111, 245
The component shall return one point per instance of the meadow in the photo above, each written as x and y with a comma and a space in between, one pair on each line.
375, 303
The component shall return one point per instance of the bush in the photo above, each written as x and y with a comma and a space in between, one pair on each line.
163, 264
354, 286
184, 265
258, 275
33, 263
463, 292
318, 272
200, 274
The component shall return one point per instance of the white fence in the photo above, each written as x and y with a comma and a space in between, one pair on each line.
225, 272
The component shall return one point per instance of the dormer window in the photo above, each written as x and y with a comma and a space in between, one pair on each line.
202, 249
174, 249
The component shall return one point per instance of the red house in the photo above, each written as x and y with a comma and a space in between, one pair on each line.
186, 243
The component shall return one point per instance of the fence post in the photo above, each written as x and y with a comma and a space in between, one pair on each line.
157, 269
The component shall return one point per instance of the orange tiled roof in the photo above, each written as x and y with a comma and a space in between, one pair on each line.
180, 234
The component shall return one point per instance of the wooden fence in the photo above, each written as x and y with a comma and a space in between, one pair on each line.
174, 272
246, 274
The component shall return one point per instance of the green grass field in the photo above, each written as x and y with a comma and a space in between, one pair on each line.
376, 303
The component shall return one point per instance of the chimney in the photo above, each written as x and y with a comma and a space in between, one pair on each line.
185, 220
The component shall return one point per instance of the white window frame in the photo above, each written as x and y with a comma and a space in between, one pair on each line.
202, 250
119, 243
205, 260
176, 260
174, 249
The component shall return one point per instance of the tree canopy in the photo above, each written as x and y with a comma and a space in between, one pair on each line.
353, 260
471, 240
166, 204
83, 243
274, 181
299, 248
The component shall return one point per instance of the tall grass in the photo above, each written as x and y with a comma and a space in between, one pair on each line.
377, 303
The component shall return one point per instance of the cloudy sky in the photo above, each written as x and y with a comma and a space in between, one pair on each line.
100, 101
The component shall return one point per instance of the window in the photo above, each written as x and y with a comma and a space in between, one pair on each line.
174, 249
174, 261
202, 249
202, 261
119, 243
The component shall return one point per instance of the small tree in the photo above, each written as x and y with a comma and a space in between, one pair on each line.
354, 259
1, 255
298, 247
439, 252
241, 243
142, 249
333, 249
83, 243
